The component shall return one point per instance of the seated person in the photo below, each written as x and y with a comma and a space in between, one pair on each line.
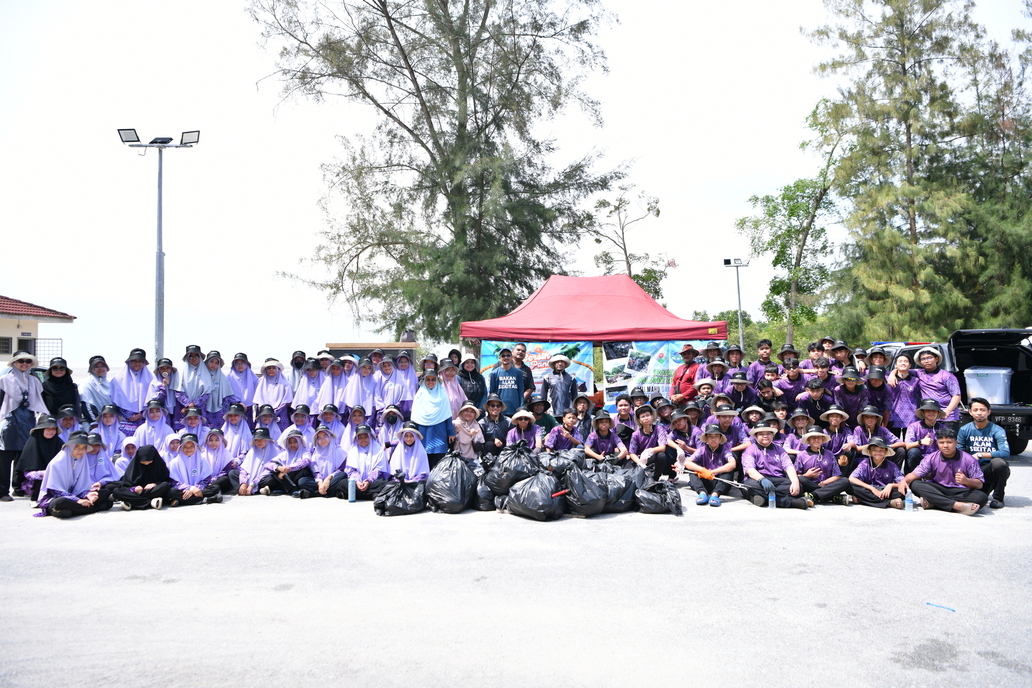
948, 479
469, 437
409, 455
712, 458
326, 463
565, 435
145, 482
769, 471
876, 480
919, 440
258, 462
225, 467
820, 477
367, 464
494, 424
190, 475
540, 406
290, 466
648, 444
67, 488
603, 440
987, 442
525, 430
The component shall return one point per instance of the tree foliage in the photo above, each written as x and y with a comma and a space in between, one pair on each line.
613, 222
451, 209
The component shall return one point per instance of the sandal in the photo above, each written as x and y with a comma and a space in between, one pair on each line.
714, 499
702, 500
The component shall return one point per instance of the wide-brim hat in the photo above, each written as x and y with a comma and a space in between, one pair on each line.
241, 356
266, 410
45, 421
164, 363
156, 403
849, 373
192, 411
522, 413
188, 437
836, 410
471, 406
739, 377
408, 427
733, 347
717, 362
705, 381
829, 338
445, 364
815, 431
691, 405
303, 409
324, 354
714, 429
787, 349
300, 436
323, 428
467, 357
93, 359
928, 350
858, 352
109, 408
494, 398
801, 413
366, 361
870, 410
216, 355
330, 408
363, 429
95, 439
712, 346
404, 353
599, 416
260, 434
876, 373
391, 408
272, 362
312, 364
237, 409
878, 442
138, 355
725, 410
688, 347
539, 399
76, 438
750, 409
839, 344
931, 405
638, 392
58, 361
762, 426
877, 350
192, 349
556, 358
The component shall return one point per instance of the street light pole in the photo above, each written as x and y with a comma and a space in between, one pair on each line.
737, 263
189, 138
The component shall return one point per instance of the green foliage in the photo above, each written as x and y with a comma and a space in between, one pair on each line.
613, 222
449, 212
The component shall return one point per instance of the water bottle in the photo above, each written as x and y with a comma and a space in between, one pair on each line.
908, 503
352, 490
772, 500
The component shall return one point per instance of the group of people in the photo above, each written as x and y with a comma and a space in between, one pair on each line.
836, 427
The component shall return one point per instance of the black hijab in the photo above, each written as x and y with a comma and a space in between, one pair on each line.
58, 391
38, 451
139, 475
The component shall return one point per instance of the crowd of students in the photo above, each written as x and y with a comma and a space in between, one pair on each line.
837, 427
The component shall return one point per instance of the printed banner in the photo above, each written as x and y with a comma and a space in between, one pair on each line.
581, 355
649, 365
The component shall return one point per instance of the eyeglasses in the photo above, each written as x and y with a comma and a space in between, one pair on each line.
791, 367
59, 368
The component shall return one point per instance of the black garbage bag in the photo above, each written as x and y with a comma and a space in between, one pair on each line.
451, 485
398, 497
515, 463
576, 455
609, 464
635, 473
585, 496
558, 462
483, 499
532, 498
500, 501
659, 498
620, 490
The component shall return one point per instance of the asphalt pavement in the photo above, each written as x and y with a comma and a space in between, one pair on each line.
273, 591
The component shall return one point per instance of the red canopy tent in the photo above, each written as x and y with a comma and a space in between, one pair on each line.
599, 309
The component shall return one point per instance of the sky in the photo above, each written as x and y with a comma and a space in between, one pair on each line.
706, 101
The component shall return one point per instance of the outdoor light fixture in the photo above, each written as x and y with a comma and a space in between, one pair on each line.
188, 140
738, 263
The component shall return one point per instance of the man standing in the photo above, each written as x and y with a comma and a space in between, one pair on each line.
683, 387
507, 381
559, 387
987, 442
518, 356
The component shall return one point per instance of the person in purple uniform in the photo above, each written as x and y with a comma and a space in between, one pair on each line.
840, 438
603, 440
244, 382
903, 384
813, 351
191, 476
742, 395
409, 456
769, 471
948, 479
941, 385
275, 390
328, 478
712, 458
735, 358
817, 399
221, 395
225, 466
307, 392
192, 385
289, 467
526, 430
822, 371
129, 388
851, 394
68, 489
237, 432
820, 477
648, 444
258, 462
919, 440
792, 383
302, 424
879, 393
367, 464
40, 449
870, 426
876, 481
718, 374
758, 368
797, 424
393, 391
566, 435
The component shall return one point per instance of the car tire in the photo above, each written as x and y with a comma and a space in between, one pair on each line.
1017, 445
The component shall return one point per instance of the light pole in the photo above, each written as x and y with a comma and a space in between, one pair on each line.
188, 139
737, 263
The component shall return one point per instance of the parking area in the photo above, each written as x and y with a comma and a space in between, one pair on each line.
275, 591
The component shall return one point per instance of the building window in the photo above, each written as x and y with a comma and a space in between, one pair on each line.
5, 345
27, 345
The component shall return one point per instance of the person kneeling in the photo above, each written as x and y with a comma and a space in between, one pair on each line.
191, 476
769, 471
949, 479
819, 474
367, 464
876, 481
711, 459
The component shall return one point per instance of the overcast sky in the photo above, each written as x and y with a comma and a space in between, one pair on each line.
708, 99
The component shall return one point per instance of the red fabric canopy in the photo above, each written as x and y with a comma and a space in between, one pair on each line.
599, 309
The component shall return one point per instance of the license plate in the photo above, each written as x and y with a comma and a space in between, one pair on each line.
1007, 420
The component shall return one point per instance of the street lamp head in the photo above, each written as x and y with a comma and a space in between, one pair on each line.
128, 136
161, 141
735, 263
189, 138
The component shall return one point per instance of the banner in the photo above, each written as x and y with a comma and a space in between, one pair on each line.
649, 365
581, 355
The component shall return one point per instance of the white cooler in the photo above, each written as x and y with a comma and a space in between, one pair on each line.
992, 384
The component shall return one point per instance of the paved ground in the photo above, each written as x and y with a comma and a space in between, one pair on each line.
277, 592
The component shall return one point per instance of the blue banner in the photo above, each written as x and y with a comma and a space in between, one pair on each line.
581, 355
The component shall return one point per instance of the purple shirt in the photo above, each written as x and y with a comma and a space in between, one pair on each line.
942, 386
757, 369
531, 436
712, 460
823, 461
736, 434
610, 444
881, 476
863, 438
640, 441
938, 469
904, 401
838, 440
815, 407
740, 400
556, 441
880, 396
791, 388
852, 402
769, 461
918, 431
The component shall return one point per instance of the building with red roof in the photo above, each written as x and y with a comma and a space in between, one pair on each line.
19, 329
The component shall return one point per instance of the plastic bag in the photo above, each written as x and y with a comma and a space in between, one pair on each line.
483, 499
559, 462
515, 463
635, 473
532, 498
585, 496
399, 498
659, 498
620, 490
451, 485
575, 455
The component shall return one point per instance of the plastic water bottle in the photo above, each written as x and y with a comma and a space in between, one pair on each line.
908, 503
352, 490
772, 500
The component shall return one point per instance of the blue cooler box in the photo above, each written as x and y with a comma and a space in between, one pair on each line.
992, 384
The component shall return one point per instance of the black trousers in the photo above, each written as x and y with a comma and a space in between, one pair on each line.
7, 460
782, 487
339, 482
139, 500
943, 498
287, 484
996, 471
373, 489
174, 495
662, 463
229, 483
913, 459
826, 492
433, 459
63, 507
712, 486
867, 498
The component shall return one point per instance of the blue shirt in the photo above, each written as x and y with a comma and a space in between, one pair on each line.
508, 384
992, 438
